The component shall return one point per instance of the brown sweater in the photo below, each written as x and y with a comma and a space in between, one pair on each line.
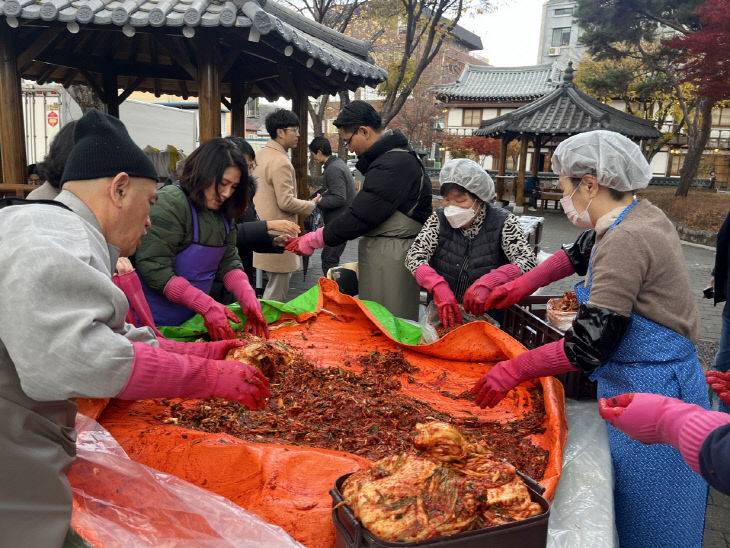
639, 268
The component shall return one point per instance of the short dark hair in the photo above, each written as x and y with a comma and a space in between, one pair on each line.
243, 145
321, 144
205, 166
51, 168
358, 113
280, 119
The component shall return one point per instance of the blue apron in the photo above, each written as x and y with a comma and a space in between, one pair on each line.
658, 500
196, 263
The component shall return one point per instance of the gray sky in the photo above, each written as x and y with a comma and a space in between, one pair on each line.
510, 34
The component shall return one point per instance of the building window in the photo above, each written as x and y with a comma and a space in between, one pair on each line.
564, 11
472, 117
721, 117
561, 37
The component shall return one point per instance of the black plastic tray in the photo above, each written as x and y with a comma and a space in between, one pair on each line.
528, 533
525, 321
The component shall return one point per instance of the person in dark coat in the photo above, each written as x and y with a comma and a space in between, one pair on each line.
720, 282
386, 214
338, 191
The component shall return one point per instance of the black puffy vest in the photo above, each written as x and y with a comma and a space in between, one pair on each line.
462, 261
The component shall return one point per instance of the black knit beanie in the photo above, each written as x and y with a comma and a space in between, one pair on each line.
103, 148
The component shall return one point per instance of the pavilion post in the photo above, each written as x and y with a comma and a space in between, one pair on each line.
111, 93
502, 162
300, 152
12, 130
210, 96
520, 183
536, 142
240, 92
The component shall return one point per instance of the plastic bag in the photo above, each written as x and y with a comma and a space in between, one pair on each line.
118, 502
429, 321
582, 511
562, 320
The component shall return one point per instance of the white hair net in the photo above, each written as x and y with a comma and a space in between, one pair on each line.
615, 160
470, 175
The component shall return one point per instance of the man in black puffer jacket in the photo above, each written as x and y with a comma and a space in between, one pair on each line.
387, 213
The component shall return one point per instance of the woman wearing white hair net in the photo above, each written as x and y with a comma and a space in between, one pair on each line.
467, 247
633, 332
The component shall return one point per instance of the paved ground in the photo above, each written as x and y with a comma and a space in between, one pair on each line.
558, 230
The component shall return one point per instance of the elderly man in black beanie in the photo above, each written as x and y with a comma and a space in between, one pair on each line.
63, 333
386, 215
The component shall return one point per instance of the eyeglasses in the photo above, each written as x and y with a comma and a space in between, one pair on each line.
349, 139
294, 129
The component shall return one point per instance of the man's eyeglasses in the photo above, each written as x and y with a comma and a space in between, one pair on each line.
294, 129
349, 139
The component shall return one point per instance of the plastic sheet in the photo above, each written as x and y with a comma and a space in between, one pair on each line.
120, 503
560, 319
582, 511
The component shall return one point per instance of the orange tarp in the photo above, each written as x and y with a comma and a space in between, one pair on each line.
287, 485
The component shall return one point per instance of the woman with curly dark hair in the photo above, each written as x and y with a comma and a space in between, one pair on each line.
192, 242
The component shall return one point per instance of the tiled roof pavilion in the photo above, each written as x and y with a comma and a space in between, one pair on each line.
157, 41
563, 112
500, 84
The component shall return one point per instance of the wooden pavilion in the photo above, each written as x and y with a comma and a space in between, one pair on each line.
545, 122
221, 51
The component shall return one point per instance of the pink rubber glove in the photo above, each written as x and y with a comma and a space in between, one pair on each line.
476, 295
720, 383
543, 361
237, 283
305, 245
157, 373
434, 283
132, 288
216, 316
556, 267
651, 418
216, 350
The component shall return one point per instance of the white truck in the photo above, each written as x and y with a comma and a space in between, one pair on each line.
48, 108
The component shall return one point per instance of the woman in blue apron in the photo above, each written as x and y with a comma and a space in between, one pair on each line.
192, 242
633, 331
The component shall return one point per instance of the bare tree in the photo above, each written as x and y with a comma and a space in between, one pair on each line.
86, 98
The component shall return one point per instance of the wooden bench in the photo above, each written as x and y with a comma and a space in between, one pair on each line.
550, 196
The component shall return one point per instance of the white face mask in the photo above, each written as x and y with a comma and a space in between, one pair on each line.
458, 216
581, 220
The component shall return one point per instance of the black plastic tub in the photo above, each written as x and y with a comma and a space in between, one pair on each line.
526, 323
528, 533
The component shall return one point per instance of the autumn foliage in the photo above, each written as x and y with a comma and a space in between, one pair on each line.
707, 51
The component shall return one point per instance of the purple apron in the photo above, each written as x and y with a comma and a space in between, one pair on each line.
196, 263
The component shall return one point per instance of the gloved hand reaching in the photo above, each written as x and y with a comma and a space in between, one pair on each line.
215, 350
216, 316
556, 267
720, 383
476, 295
652, 418
448, 309
237, 283
305, 245
543, 361
157, 373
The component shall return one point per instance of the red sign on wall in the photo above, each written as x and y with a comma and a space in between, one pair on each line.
52, 119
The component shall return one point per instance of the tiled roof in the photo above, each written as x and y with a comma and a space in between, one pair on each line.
567, 111
266, 18
500, 83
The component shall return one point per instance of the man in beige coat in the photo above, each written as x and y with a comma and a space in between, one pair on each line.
276, 197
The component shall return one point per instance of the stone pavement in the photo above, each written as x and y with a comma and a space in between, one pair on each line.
556, 231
